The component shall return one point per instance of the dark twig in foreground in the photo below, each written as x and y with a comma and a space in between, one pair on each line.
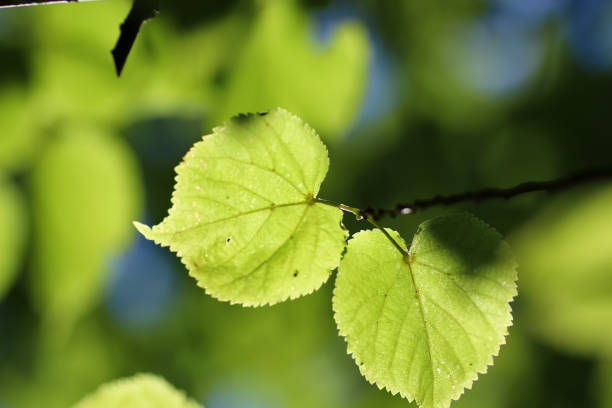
141, 11
25, 3
586, 176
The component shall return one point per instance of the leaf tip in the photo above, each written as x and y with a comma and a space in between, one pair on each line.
143, 229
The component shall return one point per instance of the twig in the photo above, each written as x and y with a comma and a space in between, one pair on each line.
586, 176
141, 11
26, 3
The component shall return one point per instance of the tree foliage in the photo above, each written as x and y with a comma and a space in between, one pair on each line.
247, 223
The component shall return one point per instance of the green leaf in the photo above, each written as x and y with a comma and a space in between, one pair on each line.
566, 257
244, 219
140, 391
426, 324
20, 139
12, 234
85, 191
281, 65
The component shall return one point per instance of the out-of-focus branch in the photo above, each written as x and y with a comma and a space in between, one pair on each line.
141, 11
25, 3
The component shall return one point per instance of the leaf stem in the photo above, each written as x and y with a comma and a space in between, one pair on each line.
355, 211
360, 216
375, 223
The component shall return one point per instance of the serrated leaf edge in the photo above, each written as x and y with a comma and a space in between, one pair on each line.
148, 232
468, 383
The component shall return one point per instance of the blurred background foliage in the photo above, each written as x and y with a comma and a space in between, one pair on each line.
413, 99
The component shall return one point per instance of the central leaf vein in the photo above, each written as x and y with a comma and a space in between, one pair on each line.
426, 329
232, 217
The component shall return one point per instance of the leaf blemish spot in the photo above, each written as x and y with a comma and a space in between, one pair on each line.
228, 239
295, 274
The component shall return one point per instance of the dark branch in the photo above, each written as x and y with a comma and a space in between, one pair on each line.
25, 3
141, 11
586, 176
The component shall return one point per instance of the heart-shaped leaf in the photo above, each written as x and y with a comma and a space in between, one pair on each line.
245, 220
425, 324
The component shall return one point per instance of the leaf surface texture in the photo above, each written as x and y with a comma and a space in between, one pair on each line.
244, 220
426, 324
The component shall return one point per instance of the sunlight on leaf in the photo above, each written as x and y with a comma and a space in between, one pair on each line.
425, 326
140, 391
243, 219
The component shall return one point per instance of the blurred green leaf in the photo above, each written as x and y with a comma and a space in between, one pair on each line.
190, 64
425, 325
85, 190
281, 65
244, 221
90, 29
140, 391
566, 273
18, 137
12, 233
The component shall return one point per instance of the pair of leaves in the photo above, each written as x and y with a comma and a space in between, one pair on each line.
248, 225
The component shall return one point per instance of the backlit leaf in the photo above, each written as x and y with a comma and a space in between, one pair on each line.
244, 220
140, 391
426, 324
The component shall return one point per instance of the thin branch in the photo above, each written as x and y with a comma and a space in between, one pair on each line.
26, 3
372, 215
141, 11
586, 176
